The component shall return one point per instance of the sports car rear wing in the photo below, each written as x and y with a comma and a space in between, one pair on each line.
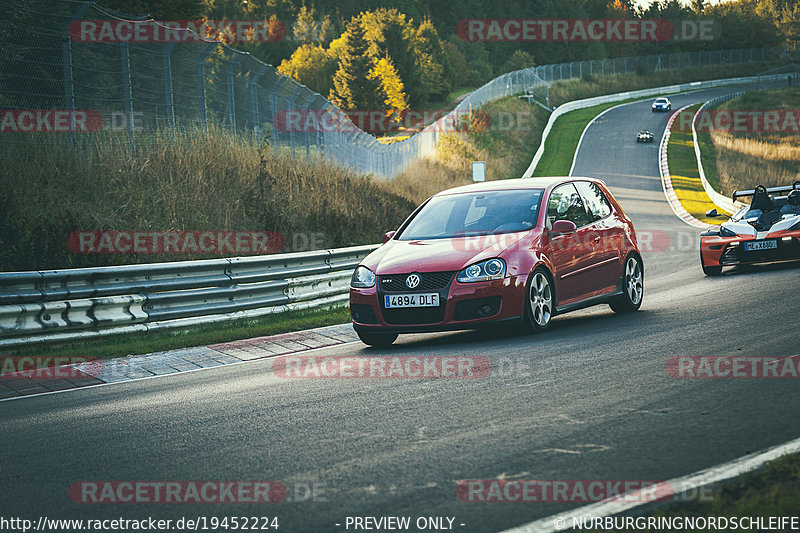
783, 188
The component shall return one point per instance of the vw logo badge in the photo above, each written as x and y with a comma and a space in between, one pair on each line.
412, 281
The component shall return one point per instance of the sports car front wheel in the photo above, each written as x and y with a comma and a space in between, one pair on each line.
632, 287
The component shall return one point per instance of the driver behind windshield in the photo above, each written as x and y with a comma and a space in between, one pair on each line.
792, 206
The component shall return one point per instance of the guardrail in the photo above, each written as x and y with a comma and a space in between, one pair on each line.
666, 177
722, 202
58, 305
628, 95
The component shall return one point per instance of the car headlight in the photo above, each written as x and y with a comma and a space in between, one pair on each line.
725, 232
483, 271
363, 278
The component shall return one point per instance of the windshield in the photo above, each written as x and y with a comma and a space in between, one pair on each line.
475, 213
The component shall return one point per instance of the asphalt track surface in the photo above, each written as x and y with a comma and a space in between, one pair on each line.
589, 399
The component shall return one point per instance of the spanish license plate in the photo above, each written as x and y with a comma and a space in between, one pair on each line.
428, 299
760, 245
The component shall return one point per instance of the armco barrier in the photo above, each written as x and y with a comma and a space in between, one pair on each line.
644, 93
59, 305
722, 202
666, 177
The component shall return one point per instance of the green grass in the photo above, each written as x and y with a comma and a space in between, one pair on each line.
708, 155
156, 341
684, 174
562, 141
772, 490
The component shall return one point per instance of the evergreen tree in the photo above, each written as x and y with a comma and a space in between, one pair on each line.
353, 87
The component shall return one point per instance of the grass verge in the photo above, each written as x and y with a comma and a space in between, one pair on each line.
156, 341
750, 155
684, 174
771, 491
562, 142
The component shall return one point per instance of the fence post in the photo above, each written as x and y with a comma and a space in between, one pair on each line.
201, 76
292, 98
169, 101
254, 96
127, 93
231, 97
66, 65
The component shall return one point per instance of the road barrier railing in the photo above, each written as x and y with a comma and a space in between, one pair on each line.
59, 305
722, 202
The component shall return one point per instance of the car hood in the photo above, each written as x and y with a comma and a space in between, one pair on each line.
435, 255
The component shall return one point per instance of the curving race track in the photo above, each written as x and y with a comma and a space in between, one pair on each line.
590, 399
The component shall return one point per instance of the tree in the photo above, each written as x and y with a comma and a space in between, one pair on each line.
429, 57
392, 90
390, 34
519, 60
353, 88
312, 66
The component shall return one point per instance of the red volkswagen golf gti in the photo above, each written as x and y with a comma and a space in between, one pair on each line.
521, 250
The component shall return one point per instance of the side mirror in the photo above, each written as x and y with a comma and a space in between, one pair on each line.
387, 236
563, 227
711, 213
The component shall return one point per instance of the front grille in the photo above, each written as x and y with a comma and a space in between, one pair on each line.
429, 281
415, 315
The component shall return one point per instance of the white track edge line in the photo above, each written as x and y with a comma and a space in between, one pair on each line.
686, 483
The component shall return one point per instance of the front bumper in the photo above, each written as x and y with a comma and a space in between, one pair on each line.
729, 251
461, 306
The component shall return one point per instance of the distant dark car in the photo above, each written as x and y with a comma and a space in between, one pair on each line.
644, 136
516, 251
767, 230
661, 104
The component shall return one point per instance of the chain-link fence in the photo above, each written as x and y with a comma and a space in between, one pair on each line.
96, 76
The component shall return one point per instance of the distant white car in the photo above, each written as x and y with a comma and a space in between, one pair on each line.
661, 104
644, 136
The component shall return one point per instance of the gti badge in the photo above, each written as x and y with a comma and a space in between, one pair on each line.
412, 281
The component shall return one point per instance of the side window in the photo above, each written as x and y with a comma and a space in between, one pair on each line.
596, 202
565, 204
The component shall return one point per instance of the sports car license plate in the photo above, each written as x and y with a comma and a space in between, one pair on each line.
428, 299
760, 245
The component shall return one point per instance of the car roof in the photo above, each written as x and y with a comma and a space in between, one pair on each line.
511, 184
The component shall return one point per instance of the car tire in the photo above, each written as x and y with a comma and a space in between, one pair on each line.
633, 287
539, 300
378, 339
710, 270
